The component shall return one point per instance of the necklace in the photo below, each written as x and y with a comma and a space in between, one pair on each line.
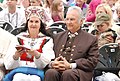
32, 43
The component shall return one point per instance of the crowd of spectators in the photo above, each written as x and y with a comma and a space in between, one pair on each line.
104, 16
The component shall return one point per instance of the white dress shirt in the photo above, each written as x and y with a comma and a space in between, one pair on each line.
16, 19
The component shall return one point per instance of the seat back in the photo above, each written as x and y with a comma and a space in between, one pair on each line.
110, 55
9, 27
56, 27
86, 26
60, 24
109, 60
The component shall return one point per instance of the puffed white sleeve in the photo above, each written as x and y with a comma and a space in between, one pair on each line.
9, 62
46, 55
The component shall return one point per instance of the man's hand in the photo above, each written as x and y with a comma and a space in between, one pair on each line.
58, 64
61, 64
67, 64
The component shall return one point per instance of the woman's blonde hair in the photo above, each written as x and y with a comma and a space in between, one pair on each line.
107, 10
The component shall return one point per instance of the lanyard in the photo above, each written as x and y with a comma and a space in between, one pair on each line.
12, 18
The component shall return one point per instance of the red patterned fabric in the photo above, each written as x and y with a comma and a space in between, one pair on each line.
24, 55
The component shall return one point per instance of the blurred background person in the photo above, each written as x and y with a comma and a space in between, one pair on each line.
90, 17
82, 4
57, 10
15, 16
47, 5
103, 29
117, 15
105, 8
111, 3
36, 3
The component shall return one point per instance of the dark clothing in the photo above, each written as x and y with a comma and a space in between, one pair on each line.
84, 52
56, 17
102, 36
114, 35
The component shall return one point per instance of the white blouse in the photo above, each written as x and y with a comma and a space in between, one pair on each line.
46, 55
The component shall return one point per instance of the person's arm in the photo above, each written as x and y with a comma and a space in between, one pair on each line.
89, 62
46, 55
10, 61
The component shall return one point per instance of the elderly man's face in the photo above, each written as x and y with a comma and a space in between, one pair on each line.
72, 21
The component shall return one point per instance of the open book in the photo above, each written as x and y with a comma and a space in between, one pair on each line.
22, 47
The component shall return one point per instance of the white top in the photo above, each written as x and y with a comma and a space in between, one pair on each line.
46, 55
16, 19
5, 40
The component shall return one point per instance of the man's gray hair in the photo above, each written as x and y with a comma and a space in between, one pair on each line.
78, 9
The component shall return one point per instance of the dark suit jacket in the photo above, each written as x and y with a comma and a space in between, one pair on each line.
84, 52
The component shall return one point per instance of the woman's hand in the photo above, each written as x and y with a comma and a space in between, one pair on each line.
34, 53
18, 53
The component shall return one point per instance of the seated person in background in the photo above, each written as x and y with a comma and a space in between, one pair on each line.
103, 29
40, 50
105, 8
117, 17
90, 15
36, 3
15, 16
76, 51
57, 10
82, 4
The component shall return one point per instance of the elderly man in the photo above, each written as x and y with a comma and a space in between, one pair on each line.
76, 51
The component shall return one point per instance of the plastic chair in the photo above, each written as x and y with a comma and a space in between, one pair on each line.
9, 27
86, 26
56, 27
109, 60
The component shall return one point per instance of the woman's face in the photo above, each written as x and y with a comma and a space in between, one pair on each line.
35, 2
61, 7
34, 24
11, 3
103, 27
100, 10
79, 2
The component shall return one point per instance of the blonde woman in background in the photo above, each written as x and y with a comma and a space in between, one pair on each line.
103, 30
105, 8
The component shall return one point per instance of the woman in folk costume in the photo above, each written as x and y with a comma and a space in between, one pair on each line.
29, 61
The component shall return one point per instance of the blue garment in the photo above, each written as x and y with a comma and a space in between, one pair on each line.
25, 70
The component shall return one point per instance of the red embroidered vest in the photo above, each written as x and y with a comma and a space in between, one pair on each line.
24, 55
